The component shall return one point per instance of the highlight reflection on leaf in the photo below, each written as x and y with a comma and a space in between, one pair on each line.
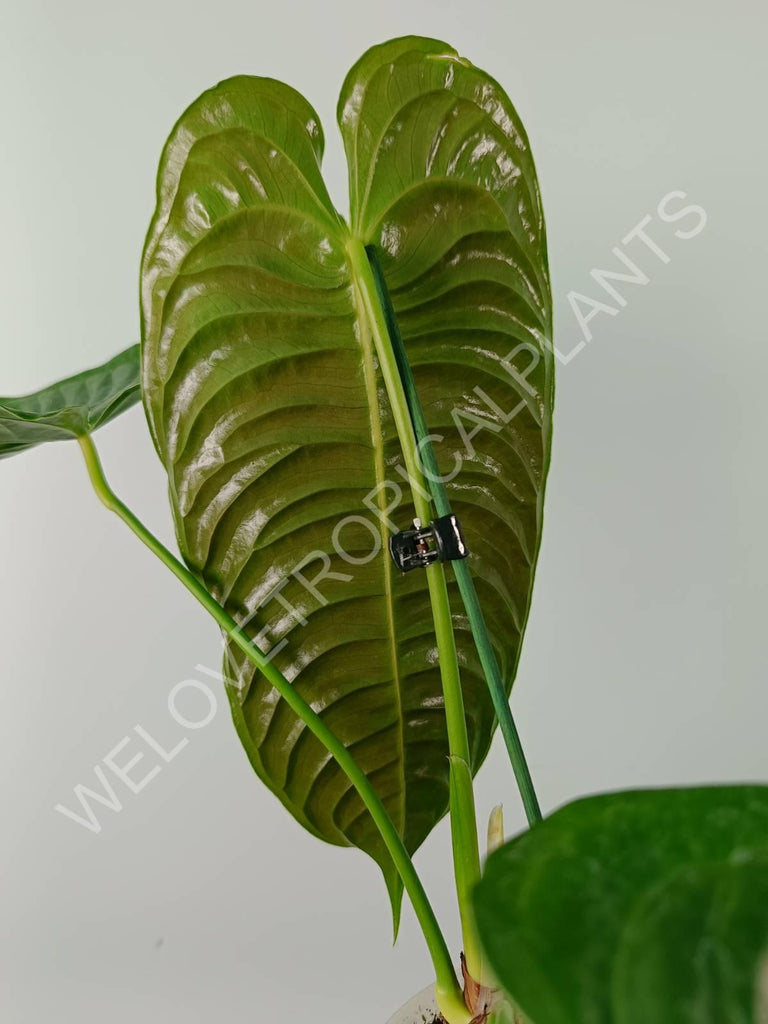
267, 409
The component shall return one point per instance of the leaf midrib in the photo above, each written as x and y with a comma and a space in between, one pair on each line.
369, 375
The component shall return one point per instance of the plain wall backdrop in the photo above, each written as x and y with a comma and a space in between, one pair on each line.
644, 662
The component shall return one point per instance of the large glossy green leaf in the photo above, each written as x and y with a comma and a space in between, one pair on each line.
630, 908
269, 413
71, 407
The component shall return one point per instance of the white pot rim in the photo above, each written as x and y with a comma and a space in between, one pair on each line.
421, 1009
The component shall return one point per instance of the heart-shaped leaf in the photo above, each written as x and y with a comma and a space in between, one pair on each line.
635, 907
269, 413
71, 407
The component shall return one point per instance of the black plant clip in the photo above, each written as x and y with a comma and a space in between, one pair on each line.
441, 541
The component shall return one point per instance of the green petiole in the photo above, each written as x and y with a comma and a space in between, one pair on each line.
447, 988
463, 821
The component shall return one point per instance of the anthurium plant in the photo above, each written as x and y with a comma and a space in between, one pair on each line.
355, 418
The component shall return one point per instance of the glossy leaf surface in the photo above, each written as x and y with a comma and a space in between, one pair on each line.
635, 907
269, 413
71, 407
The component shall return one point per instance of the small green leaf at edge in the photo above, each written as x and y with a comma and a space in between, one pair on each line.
633, 907
71, 407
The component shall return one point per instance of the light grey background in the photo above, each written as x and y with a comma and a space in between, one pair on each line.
644, 663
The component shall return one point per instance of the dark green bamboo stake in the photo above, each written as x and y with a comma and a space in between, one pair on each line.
463, 576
